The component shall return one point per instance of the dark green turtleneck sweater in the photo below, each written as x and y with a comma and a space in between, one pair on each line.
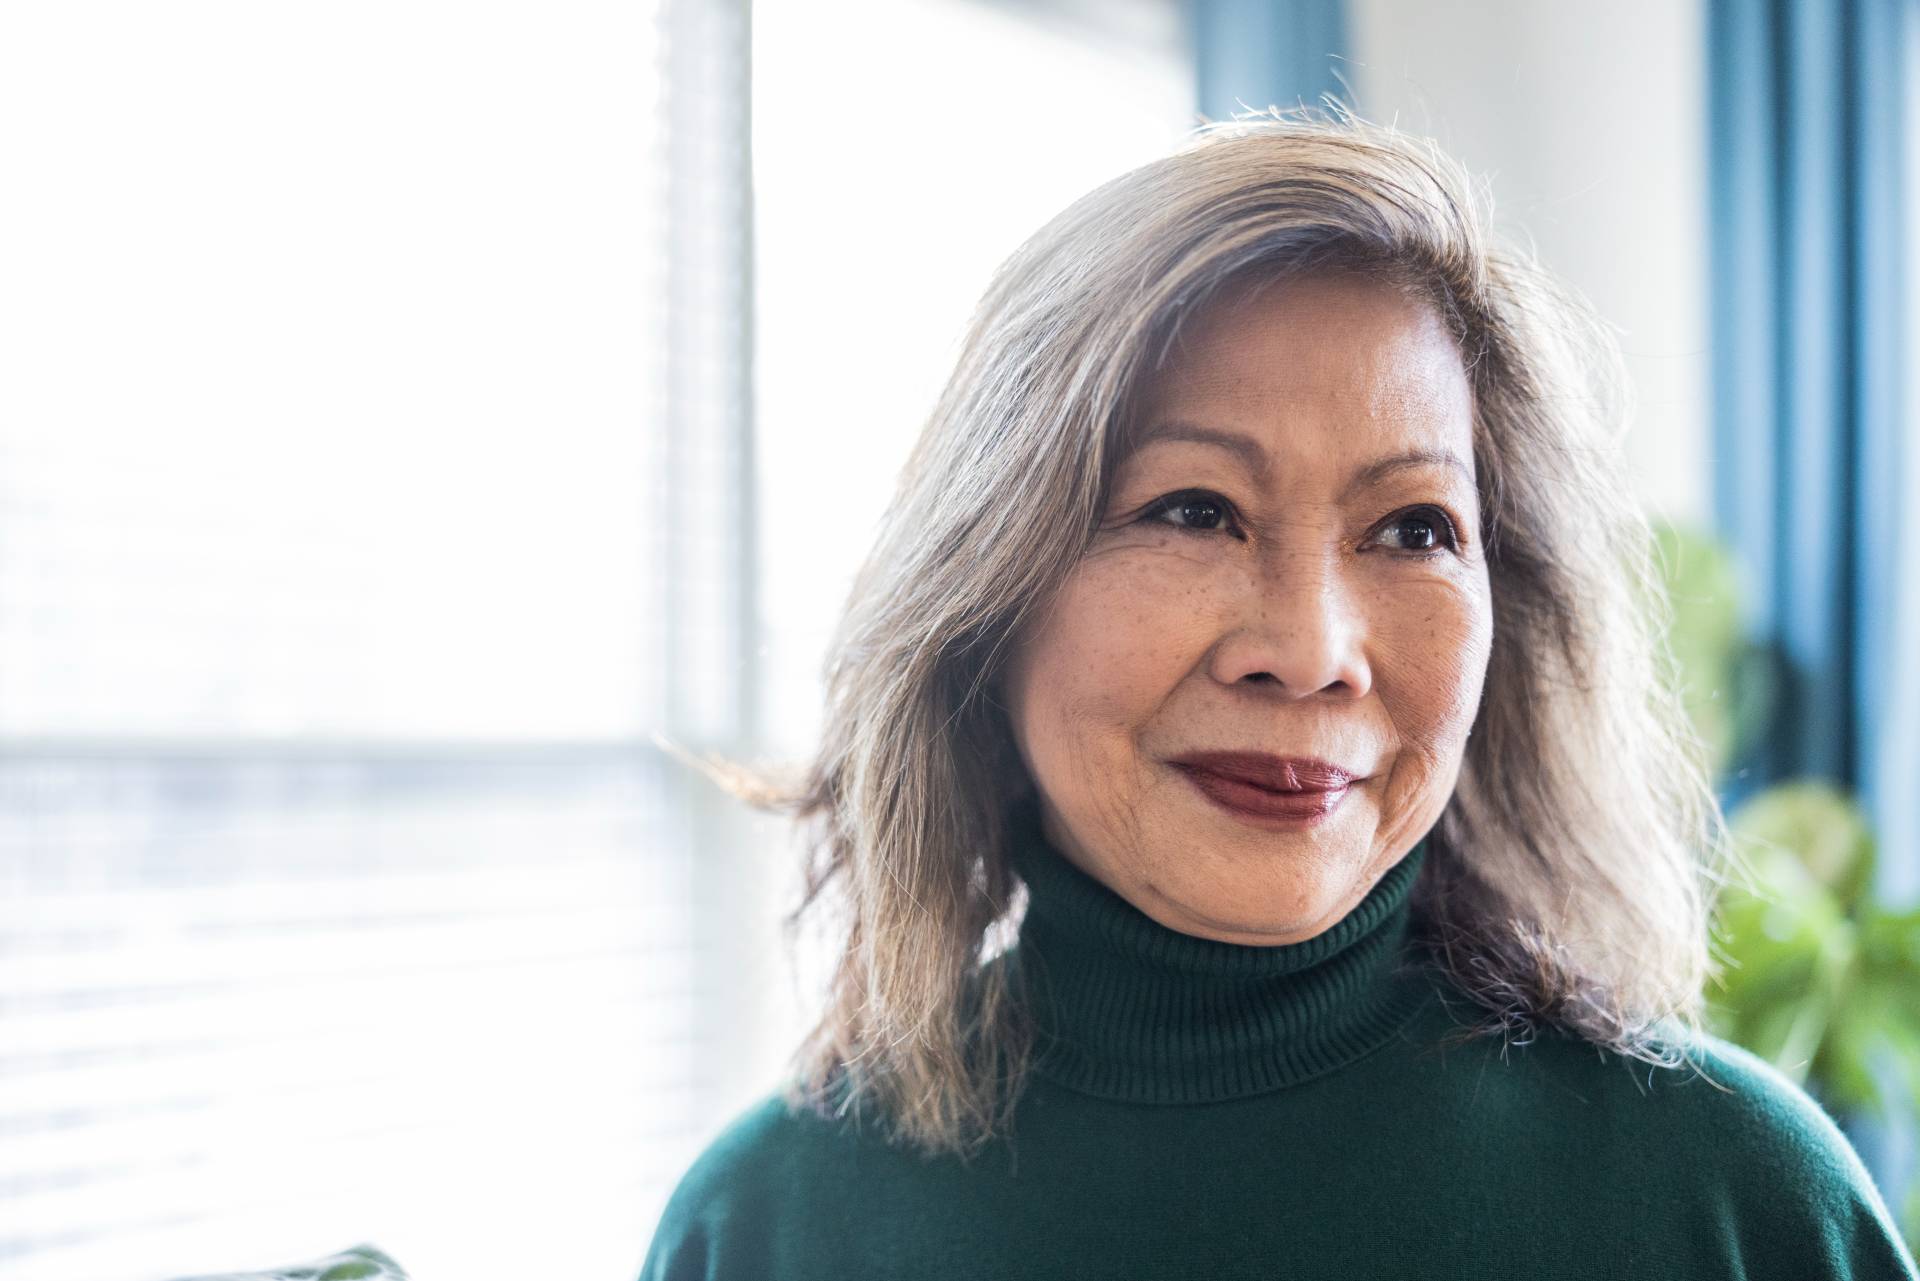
1207, 1110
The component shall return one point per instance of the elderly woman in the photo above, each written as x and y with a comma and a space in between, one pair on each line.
1264, 838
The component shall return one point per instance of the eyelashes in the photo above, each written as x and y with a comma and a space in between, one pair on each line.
1186, 502
1200, 512
1446, 537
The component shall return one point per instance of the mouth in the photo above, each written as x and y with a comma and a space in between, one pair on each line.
1289, 791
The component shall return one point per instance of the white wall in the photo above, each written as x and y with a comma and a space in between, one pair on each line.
1589, 120
902, 149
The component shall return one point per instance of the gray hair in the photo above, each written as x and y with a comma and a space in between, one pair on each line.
1569, 880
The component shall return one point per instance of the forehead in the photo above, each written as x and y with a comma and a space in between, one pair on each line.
1310, 364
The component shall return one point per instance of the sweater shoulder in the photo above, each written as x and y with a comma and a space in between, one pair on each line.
1785, 1142
1788, 1174
1764, 1122
723, 1218
1725, 1134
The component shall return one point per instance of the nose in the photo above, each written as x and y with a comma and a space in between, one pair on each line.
1298, 631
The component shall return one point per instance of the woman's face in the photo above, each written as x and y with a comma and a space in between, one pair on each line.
1276, 572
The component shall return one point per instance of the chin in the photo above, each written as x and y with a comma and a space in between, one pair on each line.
1252, 913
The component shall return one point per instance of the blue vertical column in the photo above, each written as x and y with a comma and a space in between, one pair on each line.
1747, 372
1813, 472
1249, 54
1886, 444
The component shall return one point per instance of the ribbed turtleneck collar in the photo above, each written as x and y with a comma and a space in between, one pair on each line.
1132, 1010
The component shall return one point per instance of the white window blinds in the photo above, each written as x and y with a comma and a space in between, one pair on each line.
372, 475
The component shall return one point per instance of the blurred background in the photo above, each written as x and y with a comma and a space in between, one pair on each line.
410, 413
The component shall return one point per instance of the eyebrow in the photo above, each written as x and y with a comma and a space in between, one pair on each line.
1254, 455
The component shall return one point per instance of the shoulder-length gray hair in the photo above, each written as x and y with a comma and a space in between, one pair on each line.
1569, 880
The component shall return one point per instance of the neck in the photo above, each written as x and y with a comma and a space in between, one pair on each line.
1129, 1009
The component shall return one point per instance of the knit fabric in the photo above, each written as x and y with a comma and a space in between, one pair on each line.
1208, 1110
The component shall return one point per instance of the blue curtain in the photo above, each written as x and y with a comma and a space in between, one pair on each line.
1811, 484
1266, 52
1814, 468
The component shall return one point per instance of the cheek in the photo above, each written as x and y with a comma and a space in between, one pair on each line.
1119, 637
1431, 663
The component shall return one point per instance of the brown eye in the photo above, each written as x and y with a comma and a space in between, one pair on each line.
1428, 531
1194, 509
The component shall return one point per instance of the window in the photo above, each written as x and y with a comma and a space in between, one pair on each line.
376, 482
371, 451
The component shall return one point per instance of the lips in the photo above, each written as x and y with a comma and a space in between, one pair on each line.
1288, 790
1274, 773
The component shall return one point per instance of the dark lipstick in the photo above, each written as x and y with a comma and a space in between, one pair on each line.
1293, 790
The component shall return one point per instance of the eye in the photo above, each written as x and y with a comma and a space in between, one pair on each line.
1192, 509
1429, 530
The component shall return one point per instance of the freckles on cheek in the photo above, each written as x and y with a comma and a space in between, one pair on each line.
1118, 642
1432, 676
1091, 673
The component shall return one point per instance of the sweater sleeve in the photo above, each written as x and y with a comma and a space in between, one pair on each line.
1798, 1203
